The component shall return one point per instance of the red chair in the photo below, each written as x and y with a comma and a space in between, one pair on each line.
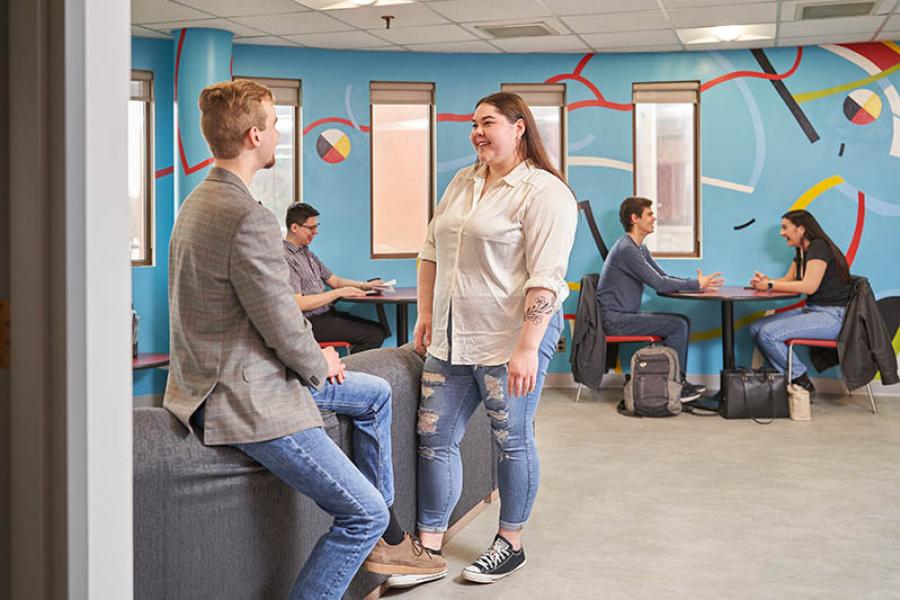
336, 345
621, 339
820, 344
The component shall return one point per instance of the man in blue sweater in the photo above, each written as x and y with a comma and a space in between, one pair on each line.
628, 267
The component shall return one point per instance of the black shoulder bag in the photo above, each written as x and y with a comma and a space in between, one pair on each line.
754, 394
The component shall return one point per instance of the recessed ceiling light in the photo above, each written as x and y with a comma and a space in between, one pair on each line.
728, 33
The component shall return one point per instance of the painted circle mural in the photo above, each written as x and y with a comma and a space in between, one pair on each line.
862, 106
333, 146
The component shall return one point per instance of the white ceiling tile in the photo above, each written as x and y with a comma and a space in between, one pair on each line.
730, 15
554, 25
294, 23
840, 38
405, 15
265, 40
341, 39
586, 7
138, 31
670, 4
830, 26
158, 11
435, 34
236, 28
478, 46
788, 11
889, 36
550, 43
885, 7
731, 45
390, 48
892, 24
663, 48
613, 22
243, 8
467, 11
625, 39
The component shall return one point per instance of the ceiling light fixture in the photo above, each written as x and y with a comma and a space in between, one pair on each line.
696, 36
343, 4
727, 33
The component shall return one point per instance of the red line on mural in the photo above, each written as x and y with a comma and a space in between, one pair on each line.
178, 59
583, 63
314, 124
857, 233
184, 163
164, 172
454, 117
755, 74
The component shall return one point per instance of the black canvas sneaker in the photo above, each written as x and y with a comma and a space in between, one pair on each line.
690, 392
498, 561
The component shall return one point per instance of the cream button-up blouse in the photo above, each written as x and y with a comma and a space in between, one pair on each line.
489, 251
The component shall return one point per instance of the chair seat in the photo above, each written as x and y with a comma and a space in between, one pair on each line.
624, 339
334, 345
812, 342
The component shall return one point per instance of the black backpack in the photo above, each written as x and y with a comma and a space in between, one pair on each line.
654, 389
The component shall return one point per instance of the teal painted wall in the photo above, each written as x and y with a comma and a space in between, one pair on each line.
758, 157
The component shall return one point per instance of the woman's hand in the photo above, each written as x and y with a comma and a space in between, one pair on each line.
522, 372
762, 284
422, 333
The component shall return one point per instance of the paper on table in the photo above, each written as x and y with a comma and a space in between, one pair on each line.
387, 286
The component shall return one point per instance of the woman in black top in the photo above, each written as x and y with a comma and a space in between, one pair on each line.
818, 270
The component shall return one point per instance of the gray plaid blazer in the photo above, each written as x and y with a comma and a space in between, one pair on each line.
237, 338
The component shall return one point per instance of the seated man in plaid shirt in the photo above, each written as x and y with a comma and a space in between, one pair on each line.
309, 278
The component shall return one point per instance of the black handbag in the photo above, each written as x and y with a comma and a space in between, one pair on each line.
754, 394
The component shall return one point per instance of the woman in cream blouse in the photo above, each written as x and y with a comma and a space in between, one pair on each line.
491, 285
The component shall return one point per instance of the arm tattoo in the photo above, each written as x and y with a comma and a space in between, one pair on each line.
543, 305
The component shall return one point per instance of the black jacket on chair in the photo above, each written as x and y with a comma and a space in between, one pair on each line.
864, 344
590, 357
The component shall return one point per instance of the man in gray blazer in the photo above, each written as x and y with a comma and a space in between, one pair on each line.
243, 358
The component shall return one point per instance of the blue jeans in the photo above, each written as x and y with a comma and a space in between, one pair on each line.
311, 463
815, 322
674, 329
450, 395
367, 400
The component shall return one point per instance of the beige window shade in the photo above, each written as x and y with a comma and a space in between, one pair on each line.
401, 92
666, 92
287, 92
402, 167
538, 94
142, 86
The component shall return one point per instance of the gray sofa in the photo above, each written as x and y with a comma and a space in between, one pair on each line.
211, 523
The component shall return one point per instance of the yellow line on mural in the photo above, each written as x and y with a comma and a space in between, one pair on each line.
574, 286
893, 46
711, 334
809, 96
813, 192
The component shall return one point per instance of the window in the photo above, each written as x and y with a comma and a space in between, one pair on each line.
402, 138
667, 163
140, 167
547, 102
279, 187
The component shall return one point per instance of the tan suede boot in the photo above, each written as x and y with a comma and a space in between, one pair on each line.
409, 563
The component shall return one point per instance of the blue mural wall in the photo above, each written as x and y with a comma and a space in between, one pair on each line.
830, 141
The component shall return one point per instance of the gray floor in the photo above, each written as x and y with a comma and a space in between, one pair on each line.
699, 507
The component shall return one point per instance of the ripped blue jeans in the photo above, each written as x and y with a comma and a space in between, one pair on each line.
450, 395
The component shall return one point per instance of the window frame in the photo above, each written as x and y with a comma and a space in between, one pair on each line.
150, 177
540, 94
672, 92
400, 87
285, 84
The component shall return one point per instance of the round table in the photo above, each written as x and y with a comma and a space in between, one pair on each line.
728, 296
402, 297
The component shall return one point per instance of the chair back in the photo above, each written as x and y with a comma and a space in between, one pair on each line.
585, 207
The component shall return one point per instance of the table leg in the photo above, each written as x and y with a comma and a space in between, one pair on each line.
727, 334
382, 319
402, 323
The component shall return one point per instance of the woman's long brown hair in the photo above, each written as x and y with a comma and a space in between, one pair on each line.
814, 231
